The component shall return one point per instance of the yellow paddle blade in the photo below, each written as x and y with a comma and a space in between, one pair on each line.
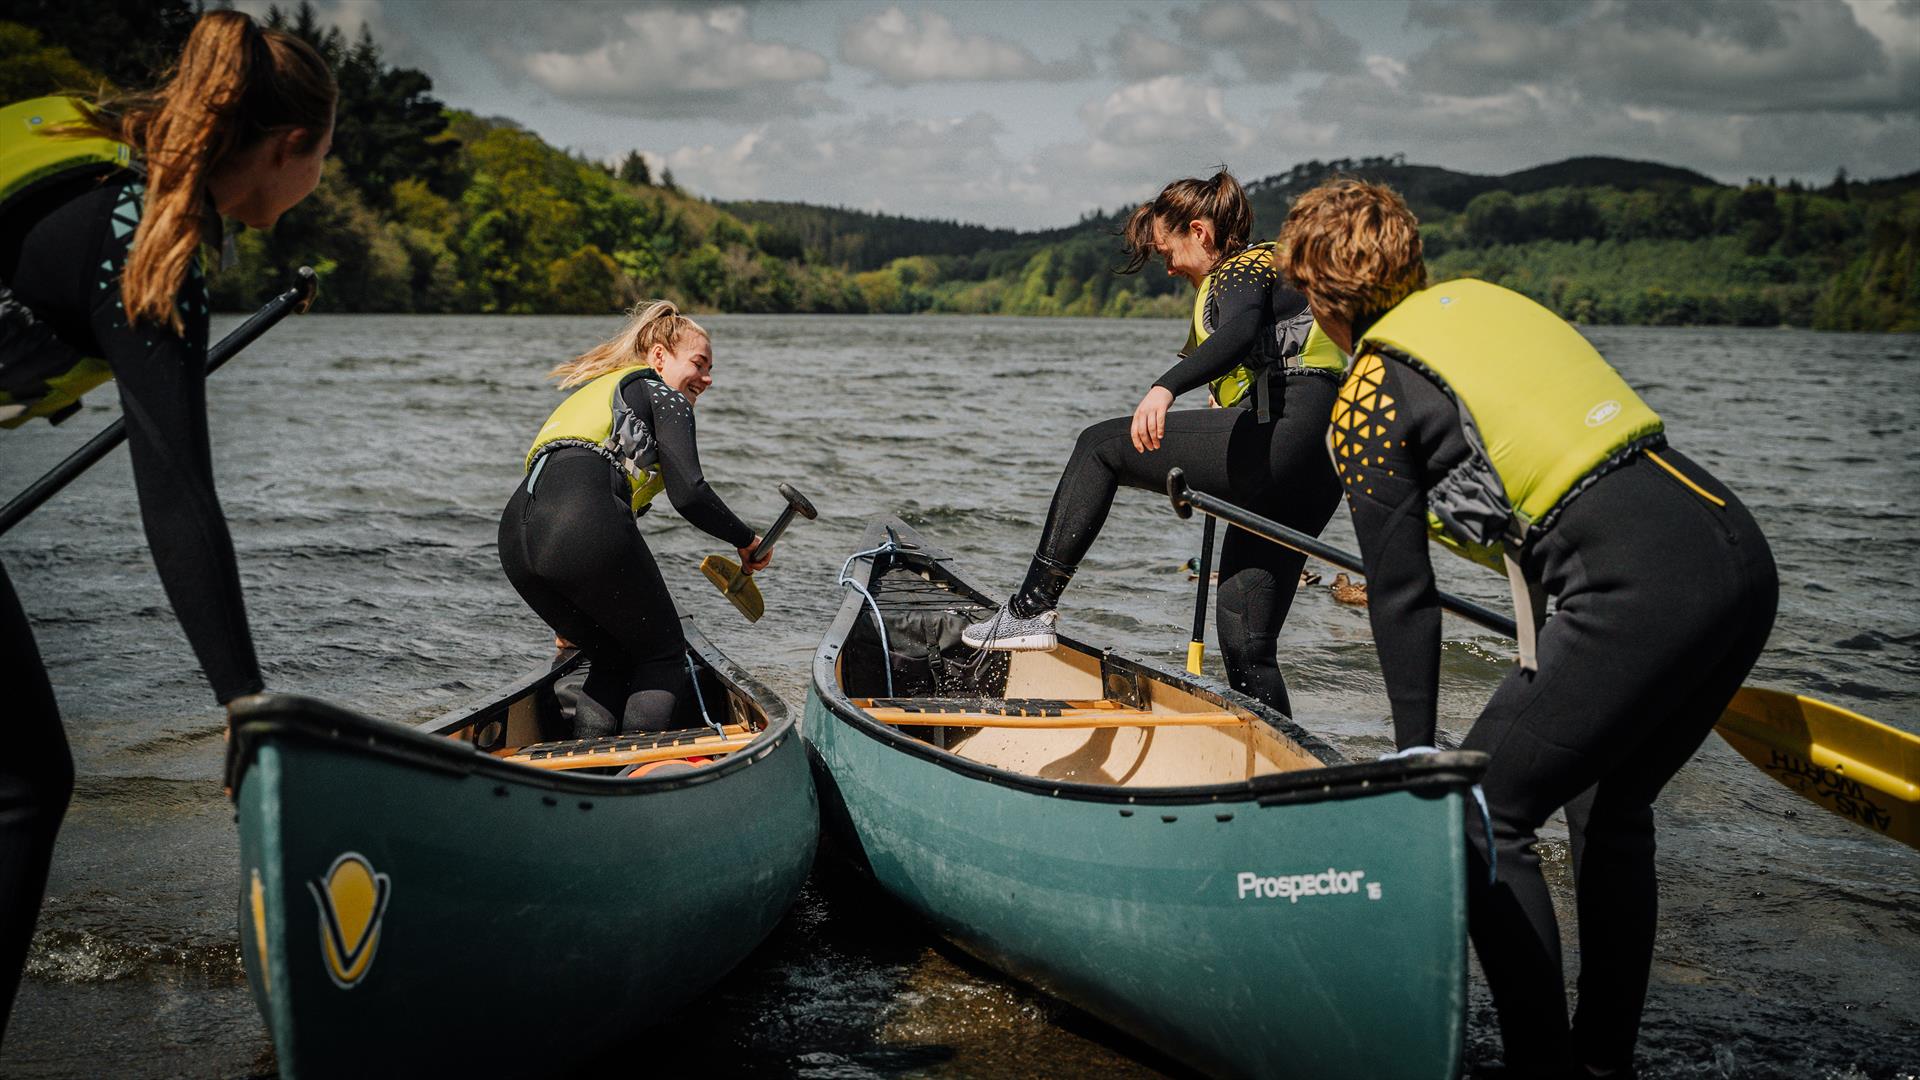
1861, 769
734, 585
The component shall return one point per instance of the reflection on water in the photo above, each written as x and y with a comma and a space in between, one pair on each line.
363, 462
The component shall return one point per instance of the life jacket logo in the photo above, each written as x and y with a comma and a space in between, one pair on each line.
1603, 412
352, 897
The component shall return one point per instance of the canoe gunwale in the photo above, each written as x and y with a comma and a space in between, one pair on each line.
1339, 779
262, 717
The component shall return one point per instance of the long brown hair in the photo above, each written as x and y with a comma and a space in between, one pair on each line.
650, 323
233, 85
1219, 199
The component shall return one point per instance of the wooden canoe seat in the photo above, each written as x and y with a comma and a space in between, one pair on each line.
621, 750
1029, 713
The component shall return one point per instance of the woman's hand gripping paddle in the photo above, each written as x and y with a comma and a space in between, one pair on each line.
736, 584
1858, 768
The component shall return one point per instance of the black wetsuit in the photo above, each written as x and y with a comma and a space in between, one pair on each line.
1663, 602
1279, 469
571, 547
61, 257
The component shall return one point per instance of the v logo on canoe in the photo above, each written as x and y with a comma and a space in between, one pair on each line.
352, 897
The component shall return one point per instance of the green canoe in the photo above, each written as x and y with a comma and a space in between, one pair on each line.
411, 896
1164, 853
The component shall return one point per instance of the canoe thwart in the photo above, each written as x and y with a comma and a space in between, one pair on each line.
1097, 717
988, 706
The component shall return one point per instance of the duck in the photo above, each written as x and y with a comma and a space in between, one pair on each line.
1347, 591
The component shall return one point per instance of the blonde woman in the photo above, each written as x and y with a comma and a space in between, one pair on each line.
103, 211
1477, 417
567, 538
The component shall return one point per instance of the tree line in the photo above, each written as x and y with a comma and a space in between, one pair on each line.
424, 208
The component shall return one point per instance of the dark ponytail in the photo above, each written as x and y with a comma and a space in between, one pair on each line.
1219, 199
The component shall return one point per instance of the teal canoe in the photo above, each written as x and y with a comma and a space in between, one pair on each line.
464, 898
1160, 851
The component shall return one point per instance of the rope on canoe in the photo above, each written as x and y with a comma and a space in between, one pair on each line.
700, 696
879, 621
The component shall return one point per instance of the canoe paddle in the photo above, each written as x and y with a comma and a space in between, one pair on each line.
736, 585
1860, 769
298, 298
1197, 648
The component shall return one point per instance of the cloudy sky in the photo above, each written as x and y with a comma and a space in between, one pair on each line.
1027, 114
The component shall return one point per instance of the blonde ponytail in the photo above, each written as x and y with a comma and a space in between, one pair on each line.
650, 323
234, 84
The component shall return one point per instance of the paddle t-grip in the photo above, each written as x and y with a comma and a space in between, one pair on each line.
1177, 493
796, 504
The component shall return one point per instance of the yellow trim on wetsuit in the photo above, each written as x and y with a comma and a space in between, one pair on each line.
1685, 479
32, 154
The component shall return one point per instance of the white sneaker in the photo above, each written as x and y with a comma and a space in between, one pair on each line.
1007, 632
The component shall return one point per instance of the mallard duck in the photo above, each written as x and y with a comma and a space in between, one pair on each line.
1346, 591
1308, 577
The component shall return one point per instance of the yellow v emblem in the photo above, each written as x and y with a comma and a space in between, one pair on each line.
352, 898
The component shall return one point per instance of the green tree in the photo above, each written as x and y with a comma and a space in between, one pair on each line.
633, 169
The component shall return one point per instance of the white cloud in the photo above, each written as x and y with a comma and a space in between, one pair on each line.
675, 62
901, 50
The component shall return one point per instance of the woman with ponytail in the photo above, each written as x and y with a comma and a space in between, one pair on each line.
1252, 341
567, 538
103, 218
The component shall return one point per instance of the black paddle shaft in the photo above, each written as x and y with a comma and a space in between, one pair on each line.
796, 504
297, 298
1206, 571
1186, 500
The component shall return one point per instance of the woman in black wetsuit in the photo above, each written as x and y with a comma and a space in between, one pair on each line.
102, 261
1251, 340
1476, 415
568, 540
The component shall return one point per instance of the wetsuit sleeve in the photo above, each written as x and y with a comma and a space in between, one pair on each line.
671, 417
1243, 295
162, 381
1390, 435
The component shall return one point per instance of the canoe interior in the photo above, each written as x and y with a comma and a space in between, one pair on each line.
1074, 714
533, 724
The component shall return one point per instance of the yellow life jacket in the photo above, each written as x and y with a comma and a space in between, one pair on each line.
596, 417
1543, 413
1298, 343
40, 375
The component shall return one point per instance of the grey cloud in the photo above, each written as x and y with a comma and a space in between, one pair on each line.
1272, 39
670, 61
938, 167
901, 49
1729, 55
1528, 126
1140, 54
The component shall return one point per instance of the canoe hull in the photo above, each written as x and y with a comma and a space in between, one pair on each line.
1278, 912
1140, 915
406, 898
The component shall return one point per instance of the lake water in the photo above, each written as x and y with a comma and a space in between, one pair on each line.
363, 462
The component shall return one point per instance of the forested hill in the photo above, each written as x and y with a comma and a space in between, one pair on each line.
426, 208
